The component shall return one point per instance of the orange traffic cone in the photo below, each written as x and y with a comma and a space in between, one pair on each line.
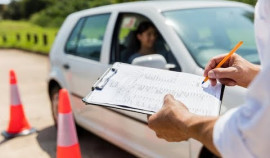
67, 141
18, 124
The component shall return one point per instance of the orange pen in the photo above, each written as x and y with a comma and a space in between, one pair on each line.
226, 58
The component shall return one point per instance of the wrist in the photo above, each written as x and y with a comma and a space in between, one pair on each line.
254, 70
200, 127
194, 126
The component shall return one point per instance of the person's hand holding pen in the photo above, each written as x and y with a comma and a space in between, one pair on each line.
235, 71
175, 123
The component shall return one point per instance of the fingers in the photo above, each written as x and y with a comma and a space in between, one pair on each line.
227, 82
152, 121
214, 62
213, 82
158, 135
165, 121
148, 116
168, 99
219, 73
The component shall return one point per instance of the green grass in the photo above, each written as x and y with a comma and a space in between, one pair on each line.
10, 29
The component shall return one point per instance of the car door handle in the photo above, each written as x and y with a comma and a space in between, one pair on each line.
66, 66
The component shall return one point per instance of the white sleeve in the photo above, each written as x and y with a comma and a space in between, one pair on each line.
245, 131
227, 138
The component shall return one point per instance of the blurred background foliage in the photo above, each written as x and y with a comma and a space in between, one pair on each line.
49, 13
252, 2
33, 24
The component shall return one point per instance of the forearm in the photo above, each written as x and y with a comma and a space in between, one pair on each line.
201, 129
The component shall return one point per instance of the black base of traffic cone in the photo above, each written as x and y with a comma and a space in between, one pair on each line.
22, 133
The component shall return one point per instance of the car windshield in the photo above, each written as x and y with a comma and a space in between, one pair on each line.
208, 32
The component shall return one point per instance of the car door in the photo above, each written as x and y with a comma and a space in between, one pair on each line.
83, 53
123, 45
125, 26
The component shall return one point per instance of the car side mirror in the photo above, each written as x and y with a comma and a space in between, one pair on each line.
153, 60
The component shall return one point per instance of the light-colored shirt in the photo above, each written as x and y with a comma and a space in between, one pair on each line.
244, 132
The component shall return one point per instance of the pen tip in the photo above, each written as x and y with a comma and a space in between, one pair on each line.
202, 82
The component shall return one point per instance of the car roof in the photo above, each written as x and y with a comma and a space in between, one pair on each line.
161, 6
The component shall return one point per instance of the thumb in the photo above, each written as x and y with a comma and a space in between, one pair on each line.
168, 99
219, 73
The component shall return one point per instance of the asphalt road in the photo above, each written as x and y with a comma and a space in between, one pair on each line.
32, 70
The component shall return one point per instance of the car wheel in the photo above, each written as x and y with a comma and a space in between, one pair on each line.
54, 96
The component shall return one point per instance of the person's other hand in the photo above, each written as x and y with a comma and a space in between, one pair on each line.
235, 71
170, 122
174, 123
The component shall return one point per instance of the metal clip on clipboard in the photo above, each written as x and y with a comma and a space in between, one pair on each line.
103, 80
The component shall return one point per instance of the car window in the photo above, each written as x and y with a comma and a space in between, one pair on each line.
208, 32
124, 44
87, 37
73, 38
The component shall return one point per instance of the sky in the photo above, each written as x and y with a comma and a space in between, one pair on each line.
4, 1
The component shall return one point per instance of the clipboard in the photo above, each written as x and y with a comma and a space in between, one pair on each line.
101, 83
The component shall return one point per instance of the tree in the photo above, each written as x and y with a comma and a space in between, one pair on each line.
50, 12
28, 7
23, 9
13, 11
54, 15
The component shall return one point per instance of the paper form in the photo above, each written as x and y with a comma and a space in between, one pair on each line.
144, 88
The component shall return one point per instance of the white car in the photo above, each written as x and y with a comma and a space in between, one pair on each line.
189, 34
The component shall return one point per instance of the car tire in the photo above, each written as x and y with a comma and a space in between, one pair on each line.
54, 97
